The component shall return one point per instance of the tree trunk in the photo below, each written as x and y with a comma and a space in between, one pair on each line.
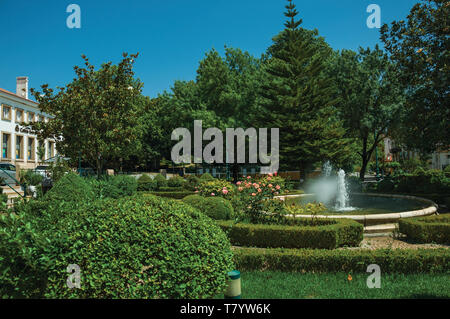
99, 168
362, 172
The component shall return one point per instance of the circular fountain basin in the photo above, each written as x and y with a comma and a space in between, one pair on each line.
372, 209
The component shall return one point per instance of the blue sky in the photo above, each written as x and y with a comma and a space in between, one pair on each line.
171, 36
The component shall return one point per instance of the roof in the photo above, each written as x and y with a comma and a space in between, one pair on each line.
17, 96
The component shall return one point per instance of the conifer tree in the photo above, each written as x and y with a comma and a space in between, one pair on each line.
299, 98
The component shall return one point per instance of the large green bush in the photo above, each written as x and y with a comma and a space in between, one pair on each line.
146, 183
401, 261
420, 182
70, 188
175, 181
206, 177
320, 233
433, 229
114, 186
161, 181
134, 247
192, 182
214, 207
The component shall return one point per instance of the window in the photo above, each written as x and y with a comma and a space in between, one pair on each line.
19, 115
30, 117
19, 147
6, 112
50, 150
30, 149
40, 151
6, 148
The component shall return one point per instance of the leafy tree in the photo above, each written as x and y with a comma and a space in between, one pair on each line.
96, 115
370, 99
299, 99
420, 47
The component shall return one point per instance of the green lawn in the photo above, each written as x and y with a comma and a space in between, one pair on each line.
282, 285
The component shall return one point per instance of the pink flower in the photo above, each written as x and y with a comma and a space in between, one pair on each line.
259, 190
248, 177
238, 183
253, 194
224, 188
196, 192
278, 187
270, 174
240, 189
212, 194
269, 178
275, 173
270, 185
224, 191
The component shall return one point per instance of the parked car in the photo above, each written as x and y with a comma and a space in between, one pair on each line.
42, 170
8, 174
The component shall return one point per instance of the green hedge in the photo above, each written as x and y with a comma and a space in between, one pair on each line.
171, 189
419, 182
434, 229
175, 195
146, 183
133, 247
328, 234
312, 260
214, 207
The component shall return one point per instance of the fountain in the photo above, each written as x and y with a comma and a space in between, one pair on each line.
367, 208
342, 197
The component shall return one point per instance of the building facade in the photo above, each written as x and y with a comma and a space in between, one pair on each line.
19, 144
439, 159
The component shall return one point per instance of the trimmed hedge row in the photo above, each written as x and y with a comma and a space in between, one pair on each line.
312, 260
329, 234
174, 195
434, 229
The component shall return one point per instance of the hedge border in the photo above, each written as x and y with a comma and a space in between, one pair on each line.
335, 233
435, 229
174, 195
343, 260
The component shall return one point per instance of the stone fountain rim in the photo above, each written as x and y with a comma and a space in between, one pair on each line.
432, 209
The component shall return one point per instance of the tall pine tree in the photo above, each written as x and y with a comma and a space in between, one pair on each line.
298, 98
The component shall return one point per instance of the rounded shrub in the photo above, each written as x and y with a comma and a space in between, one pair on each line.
195, 201
70, 188
122, 185
146, 183
161, 181
192, 182
214, 207
218, 208
175, 181
206, 177
135, 247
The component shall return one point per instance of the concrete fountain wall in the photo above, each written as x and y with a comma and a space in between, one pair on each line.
377, 219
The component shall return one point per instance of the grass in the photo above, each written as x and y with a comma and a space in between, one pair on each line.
283, 285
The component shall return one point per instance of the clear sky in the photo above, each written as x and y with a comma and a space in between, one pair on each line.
171, 36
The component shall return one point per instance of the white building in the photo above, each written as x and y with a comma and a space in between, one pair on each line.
19, 145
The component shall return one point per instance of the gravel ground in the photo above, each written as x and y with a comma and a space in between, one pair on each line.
393, 243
